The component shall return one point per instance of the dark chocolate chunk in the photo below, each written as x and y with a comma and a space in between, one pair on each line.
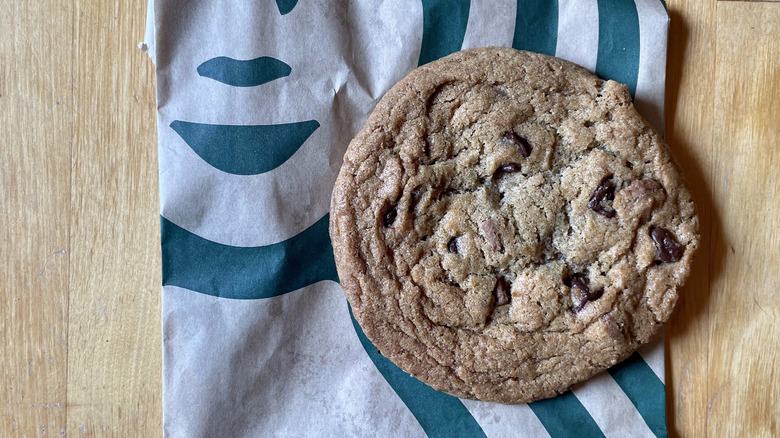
669, 249
491, 235
595, 294
613, 328
452, 245
510, 168
605, 191
390, 216
525, 147
502, 292
582, 283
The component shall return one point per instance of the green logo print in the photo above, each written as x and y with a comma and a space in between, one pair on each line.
618, 56
226, 271
285, 6
246, 273
245, 149
249, 73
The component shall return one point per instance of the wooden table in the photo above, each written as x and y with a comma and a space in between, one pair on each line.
80, 345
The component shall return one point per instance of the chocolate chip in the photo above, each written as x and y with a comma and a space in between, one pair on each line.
605, 191
501, 292
452, 245
521, 143
390, 216
669, 250
491, 235
582, 283
613, 328
595, 295
509, 168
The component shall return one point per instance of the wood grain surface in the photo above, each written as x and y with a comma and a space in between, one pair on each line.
79, 222
80, 335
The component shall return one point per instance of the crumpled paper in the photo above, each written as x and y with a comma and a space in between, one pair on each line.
257, 101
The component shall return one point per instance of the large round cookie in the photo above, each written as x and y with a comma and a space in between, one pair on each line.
506, 225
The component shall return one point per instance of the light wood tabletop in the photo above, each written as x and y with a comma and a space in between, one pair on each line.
80, 331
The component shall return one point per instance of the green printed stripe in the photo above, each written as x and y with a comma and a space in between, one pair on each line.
564, 416
247, 73
618, 57
285, 6
211, 268
439, 414
245, 149
444, 26
536, 26
644, 389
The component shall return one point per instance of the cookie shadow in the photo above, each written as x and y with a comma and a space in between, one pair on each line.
707, 263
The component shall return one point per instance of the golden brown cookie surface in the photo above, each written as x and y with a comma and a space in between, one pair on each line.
506, 225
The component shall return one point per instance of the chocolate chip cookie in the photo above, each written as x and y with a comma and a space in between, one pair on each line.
506, 225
